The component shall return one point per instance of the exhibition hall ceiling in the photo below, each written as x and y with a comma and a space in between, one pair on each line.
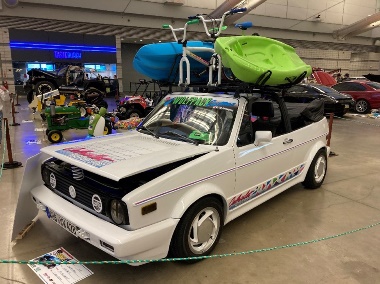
127, 33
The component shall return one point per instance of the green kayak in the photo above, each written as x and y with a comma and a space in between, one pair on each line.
261, 60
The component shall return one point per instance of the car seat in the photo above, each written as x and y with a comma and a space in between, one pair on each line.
262, 114
79, 80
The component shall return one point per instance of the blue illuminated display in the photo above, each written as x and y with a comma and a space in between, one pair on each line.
62, 47
67, 54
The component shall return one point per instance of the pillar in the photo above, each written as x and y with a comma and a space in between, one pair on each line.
119, 71
6, 68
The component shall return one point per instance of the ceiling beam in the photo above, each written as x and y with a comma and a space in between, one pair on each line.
358, 27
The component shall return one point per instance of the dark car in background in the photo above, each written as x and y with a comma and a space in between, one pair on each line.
365, 93
69, 79
335, 102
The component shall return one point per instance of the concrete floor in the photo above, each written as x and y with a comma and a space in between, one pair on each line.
349, 199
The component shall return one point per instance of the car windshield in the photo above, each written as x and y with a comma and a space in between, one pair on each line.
197, 119
325, 89
374, 85
62, 71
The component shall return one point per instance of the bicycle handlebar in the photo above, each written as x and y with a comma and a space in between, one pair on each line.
214, 32
193, 21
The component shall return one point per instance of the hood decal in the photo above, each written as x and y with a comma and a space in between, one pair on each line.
87, 156
101, 153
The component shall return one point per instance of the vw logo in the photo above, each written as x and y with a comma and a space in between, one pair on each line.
72, 191
97, 203
53, 180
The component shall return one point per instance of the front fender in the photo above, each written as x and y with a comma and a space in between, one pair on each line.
26, 210
194, 195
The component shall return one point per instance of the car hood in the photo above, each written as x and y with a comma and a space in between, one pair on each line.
39, 72
120, 156
339, 96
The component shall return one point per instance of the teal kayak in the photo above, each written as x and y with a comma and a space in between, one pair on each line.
160, 61
260, 60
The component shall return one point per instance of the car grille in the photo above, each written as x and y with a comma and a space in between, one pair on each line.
77, 173
83, 195
70, 177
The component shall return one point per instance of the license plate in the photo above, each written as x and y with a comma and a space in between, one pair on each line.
67, 225
346, 106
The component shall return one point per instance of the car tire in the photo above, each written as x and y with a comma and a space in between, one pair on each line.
44, 87
133, 112
55, 136
184, 243
30, 96
317, 171
362, 106
107, 129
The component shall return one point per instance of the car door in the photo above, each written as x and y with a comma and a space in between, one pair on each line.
263, 170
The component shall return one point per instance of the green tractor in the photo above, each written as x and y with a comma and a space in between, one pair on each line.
62, 118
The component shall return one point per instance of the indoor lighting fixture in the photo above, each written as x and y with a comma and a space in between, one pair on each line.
65, 47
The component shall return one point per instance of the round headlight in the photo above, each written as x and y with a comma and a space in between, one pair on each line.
117, 211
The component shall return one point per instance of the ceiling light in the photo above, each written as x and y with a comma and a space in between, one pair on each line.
140, 39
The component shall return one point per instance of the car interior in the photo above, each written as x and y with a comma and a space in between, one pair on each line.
265, 115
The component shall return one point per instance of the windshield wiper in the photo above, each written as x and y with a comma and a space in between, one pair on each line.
142, 127
181, 136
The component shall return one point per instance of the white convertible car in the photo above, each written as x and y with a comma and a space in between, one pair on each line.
198, 161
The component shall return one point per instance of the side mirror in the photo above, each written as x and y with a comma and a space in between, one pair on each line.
262, 137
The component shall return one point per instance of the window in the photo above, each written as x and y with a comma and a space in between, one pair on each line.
245, 132
349, 86
43, 66
374, 85
325, 89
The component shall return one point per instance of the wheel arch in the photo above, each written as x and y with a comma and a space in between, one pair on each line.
183, 205
47, 80
136, 106
310, 156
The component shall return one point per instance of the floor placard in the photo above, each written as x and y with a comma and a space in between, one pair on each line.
59, 273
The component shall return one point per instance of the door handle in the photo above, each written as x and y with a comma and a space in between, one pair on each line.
287, 141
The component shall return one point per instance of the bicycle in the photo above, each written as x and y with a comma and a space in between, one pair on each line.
213, 33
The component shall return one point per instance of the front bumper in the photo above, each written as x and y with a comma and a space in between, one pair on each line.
151, 242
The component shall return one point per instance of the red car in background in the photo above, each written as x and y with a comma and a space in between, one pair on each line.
365, 93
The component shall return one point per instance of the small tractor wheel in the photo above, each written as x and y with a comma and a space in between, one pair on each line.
55, 136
